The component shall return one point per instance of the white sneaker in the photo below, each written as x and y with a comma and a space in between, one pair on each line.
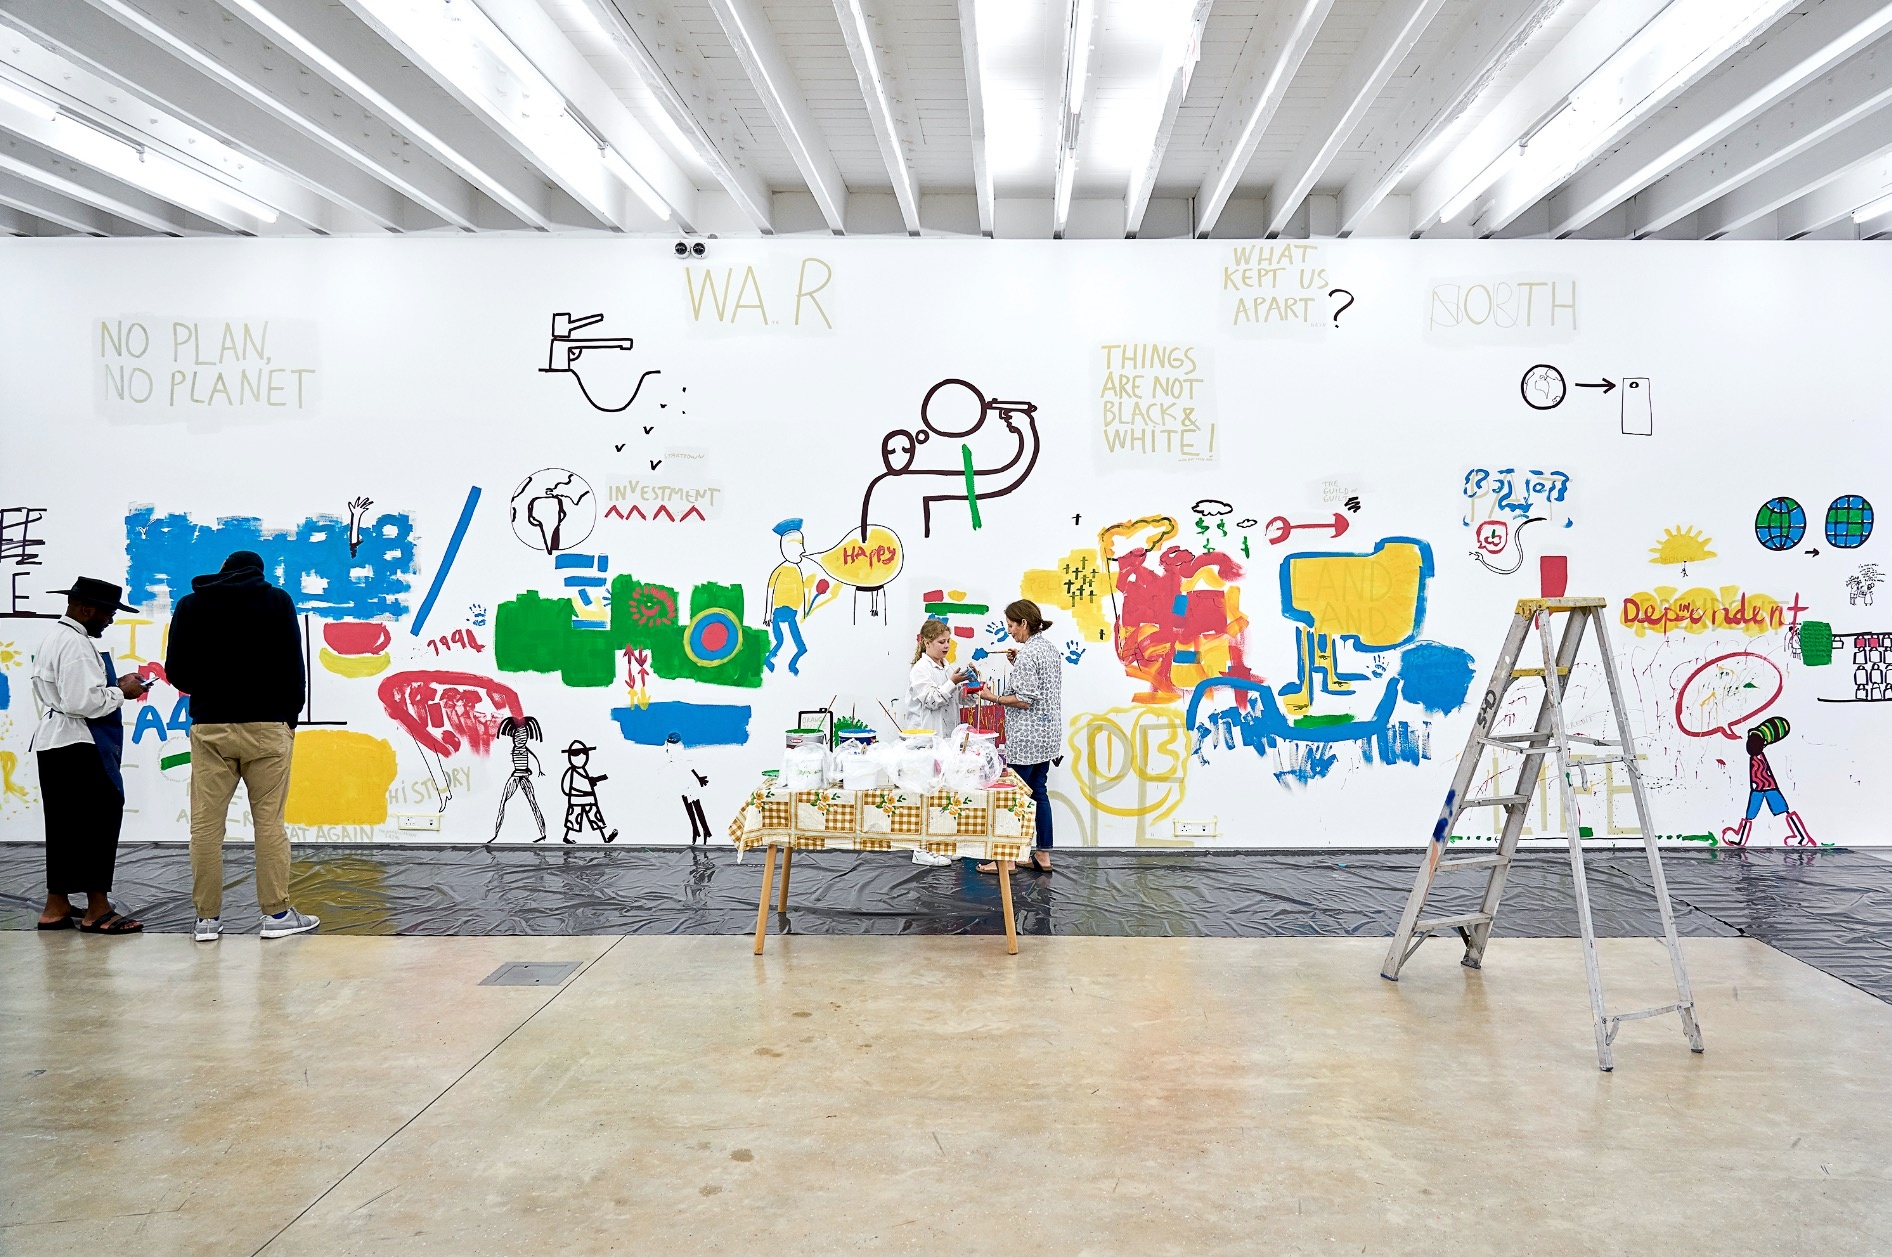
209, 929
288, 922
932, 859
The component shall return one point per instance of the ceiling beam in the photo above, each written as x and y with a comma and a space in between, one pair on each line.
361, 59
17, 222
551, 52
1818, 166
265, 77
104, 149
84, 94
1782, 66
975, 108
124, 60
857, 32
756, 47
1267, 68
1823, 206
1470, 59
1859, 88
1476, 160
1398, 26
1664, 59
56, 173
673, 70
1080, 37
1188, 52
59, 209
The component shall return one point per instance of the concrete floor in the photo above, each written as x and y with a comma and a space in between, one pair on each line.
1093, 1095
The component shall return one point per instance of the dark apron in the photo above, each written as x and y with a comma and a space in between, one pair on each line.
108, 734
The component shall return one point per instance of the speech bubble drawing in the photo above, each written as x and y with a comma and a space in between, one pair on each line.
1727, 691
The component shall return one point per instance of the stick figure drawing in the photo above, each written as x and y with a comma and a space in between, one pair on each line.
581, 793
521, 730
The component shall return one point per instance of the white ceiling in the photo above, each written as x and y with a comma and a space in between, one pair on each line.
1687, 119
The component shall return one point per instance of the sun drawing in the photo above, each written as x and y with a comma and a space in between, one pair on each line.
1682, 545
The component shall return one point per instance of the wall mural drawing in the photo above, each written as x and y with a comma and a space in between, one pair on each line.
521, 731
939, 461
554, 509
608, 361
1268, 646
310, 559
580, 786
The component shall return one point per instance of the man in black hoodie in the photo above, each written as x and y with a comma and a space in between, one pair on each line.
236, 650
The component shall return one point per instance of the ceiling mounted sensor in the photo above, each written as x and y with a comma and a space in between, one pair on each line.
689, 249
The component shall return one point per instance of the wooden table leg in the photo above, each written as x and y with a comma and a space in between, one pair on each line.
788, 855
762, 906
1005, 900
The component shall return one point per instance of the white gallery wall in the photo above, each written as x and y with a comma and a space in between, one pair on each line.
1278, 500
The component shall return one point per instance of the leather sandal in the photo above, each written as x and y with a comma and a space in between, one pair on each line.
112, 922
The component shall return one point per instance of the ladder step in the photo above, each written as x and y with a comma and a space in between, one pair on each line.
1473, 862
1451, 923
1497, 800
1537, 672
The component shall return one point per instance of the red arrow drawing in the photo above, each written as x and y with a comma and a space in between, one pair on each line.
1278, 528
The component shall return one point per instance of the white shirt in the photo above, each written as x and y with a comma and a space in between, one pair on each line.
932, 698
69, 682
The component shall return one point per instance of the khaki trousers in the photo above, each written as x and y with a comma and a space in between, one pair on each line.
258, 754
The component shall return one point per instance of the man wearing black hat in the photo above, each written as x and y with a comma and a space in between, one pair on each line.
79, 743
236, 649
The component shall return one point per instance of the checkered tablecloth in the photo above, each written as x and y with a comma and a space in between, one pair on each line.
996, 824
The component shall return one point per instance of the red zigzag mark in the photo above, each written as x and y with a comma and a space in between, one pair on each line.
663, 512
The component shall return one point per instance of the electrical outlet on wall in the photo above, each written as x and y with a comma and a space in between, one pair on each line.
1193, 829
418, 822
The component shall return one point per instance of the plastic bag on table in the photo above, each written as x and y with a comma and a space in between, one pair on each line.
805, 767
917, 767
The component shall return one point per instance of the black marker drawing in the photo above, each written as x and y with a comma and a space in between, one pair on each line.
1211, 507
356, 509
562, 356
951, 454
1543, 387
689, 784
20, 545
521, 730
553, 509
580, 785
1338, 292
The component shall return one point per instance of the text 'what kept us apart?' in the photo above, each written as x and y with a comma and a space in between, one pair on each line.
1153, 405
153, 368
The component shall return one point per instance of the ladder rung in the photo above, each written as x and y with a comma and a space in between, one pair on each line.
1451, 923
1497, 800
1473, 862
1537, 672
1587, 740
1648, 1012
1591, 761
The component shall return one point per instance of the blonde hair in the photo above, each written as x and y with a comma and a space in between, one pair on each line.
929, 631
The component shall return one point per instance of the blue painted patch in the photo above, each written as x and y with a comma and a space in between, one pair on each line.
1306, 762
1435, 676
6, 693
310, 561
698, 724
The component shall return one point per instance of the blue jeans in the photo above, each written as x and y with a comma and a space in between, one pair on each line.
791, 617
1037, 776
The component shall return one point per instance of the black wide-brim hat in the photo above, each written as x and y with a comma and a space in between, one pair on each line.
96, 593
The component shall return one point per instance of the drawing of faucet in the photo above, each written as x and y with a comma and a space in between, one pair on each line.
561, 356
563, 325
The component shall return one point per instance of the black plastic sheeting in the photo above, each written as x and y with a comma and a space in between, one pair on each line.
1831, 907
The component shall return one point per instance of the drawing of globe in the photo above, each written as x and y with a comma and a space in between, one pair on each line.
1780, 524
1542, 387
1848, 522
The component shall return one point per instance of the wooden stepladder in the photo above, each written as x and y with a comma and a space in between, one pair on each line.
1549, 737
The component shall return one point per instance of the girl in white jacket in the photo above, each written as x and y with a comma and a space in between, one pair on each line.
933, 697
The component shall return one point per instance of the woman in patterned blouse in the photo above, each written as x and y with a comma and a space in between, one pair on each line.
1034, 717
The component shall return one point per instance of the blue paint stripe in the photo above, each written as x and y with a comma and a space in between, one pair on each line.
588, 582
561, 561
446, 560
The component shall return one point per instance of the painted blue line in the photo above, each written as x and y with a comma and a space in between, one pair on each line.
586, 582
446, 560
571, 560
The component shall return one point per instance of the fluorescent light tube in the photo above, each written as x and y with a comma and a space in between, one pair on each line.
29, 102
